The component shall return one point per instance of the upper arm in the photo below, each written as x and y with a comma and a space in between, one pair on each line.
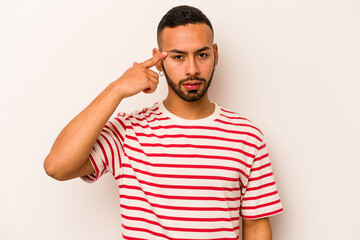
85, 169
256, 229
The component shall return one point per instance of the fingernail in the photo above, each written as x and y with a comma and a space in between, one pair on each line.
164, 53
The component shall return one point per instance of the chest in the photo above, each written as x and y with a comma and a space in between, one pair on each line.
186, 156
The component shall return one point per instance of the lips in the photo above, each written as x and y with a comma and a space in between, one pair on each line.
192, 85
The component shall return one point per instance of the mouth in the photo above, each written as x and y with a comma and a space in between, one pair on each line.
192, 85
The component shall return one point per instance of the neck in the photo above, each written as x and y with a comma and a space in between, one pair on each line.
189, 110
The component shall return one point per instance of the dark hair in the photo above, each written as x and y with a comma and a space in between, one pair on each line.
182, 15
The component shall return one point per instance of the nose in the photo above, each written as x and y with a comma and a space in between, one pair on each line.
192, 68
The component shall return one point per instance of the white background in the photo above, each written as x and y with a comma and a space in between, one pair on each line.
292, 67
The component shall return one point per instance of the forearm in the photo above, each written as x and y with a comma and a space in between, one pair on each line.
259, 229
71, 148
69, 154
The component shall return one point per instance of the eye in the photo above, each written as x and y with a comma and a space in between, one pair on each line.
177, 57
203, 55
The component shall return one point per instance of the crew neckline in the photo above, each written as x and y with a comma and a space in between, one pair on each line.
180, 120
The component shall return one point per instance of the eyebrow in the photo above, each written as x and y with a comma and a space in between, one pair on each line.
183, 52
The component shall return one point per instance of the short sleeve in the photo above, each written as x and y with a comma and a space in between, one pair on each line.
107, 152
260, 197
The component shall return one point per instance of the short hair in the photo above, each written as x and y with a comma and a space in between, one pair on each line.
182, 15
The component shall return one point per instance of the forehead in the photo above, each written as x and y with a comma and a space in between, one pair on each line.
187, 37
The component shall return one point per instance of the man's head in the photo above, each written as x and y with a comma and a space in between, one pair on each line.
180, 16
187, 36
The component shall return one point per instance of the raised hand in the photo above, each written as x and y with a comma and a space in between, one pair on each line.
140, 77
68, 157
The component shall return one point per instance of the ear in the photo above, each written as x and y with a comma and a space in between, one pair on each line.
158, 65
216, 54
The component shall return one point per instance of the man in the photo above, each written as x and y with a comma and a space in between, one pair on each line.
186, 167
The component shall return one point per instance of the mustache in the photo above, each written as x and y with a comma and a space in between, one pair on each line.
192, 78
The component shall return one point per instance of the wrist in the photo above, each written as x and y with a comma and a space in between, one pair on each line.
115, 92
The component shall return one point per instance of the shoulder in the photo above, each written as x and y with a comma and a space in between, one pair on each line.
143, 114
122, 121
146, 114
231, 119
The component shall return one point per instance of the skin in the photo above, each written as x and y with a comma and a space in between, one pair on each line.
186, 53
258, 229
68, 157
191, 54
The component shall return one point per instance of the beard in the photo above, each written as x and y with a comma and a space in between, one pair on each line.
189, 95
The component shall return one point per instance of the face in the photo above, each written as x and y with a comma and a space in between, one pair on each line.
191, 59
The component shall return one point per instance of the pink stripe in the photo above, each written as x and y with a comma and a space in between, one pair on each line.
177, 186
150, 109
261, 157
190, 166
261, 186
181, 176
103, 171
262, 146
156, 119
118, 134
121, 123
261, 167
190, 156
198, 127
145, 230
260, 177
241, 118
118, 151
112, 154
227, 111
260, 205
164, 236
197, 166
145, 117
132, 238
134, 148
121, 114
260, 196
262, 215
238, 124
181, 208
197, 156
88, 178
196, 136
180, 229
94, 164
201, 198
197, 146
103, 151
168, 165
173, 218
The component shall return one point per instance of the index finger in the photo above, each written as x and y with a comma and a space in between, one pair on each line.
154, 60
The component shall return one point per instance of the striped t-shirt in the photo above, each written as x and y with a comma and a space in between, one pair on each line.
186, 179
